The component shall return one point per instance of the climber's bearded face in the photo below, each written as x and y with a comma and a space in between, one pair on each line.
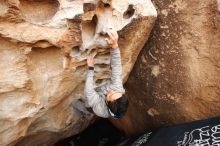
113, 95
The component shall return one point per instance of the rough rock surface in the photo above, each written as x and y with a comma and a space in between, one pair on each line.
43, 48
177, 75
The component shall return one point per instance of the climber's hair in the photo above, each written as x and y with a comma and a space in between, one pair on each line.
119, 107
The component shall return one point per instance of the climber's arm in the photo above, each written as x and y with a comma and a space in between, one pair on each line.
94, 100
116, 76
91, 95
115, 61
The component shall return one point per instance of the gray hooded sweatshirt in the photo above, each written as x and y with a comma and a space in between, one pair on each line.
95, 97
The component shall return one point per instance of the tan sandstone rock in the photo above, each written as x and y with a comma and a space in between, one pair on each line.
176, 78
44, 44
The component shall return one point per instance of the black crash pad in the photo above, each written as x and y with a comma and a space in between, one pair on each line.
198, 133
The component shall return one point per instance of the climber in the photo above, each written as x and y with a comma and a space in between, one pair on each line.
107, 100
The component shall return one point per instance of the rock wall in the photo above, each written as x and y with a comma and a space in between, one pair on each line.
44, 44
177, 75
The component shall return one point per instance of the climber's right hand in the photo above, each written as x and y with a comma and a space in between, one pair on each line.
90, 61
112, 38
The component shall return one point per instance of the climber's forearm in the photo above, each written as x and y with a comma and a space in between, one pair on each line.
116, 76
90, 93
89, 81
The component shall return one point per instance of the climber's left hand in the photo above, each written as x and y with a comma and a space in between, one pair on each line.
90, 61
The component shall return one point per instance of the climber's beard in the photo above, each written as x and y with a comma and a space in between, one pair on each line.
113, 95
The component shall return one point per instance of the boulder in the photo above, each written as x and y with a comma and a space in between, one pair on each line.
176, 77
44, 44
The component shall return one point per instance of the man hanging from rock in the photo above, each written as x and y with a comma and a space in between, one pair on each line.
107, 100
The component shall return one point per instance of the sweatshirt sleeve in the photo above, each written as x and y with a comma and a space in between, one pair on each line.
93, 99
116, 66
